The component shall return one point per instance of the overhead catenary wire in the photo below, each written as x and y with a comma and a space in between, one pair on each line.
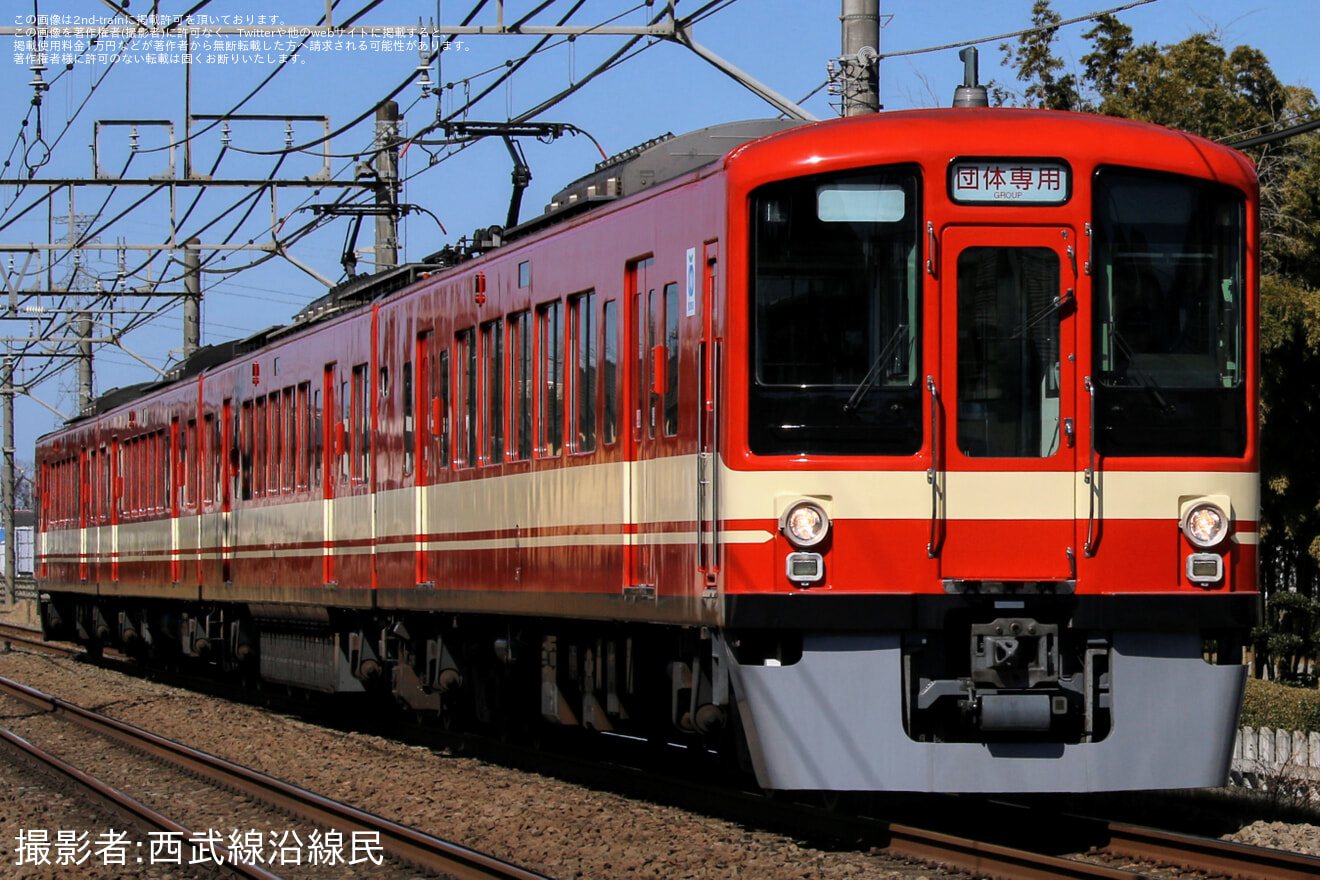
288, 236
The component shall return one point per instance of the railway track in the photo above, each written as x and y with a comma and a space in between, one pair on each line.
1030, 845
431, 853
124, 806
29, 639
1109, 848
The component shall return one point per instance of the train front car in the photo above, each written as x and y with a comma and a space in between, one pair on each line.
998, 434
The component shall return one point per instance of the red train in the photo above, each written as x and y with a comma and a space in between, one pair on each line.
911, 452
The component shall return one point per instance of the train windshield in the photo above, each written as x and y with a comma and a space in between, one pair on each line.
835, 365
1169, 294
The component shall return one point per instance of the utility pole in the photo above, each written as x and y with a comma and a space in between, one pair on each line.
7, 476
859, 63
387, 186
84, 333
192, 299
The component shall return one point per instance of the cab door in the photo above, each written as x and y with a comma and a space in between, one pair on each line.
1007, 453
644, 317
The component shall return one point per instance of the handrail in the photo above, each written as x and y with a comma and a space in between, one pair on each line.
1092, 477
932, 475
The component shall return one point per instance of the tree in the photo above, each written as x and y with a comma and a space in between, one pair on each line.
1287, 642
24, 473
1037, 65
1113, 41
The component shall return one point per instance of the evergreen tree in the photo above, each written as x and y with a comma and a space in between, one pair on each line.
1047, 86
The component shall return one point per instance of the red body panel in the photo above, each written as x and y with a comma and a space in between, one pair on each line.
370, 515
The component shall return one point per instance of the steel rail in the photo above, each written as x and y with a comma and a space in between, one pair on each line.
30, 639
1210, 856
409, 844
130, 810
990, 859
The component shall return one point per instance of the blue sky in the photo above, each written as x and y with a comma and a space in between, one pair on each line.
664, 88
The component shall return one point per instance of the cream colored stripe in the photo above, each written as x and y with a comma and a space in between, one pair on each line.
1159, 494
596, 496
1009, 495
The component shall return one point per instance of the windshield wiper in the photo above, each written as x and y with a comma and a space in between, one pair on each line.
1143, 380
900, 332
1055, 305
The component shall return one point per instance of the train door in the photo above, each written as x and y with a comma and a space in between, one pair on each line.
84, 509
643, 305
707, 415
228, 460
332, 451
427, 452
177, 466
1006, 455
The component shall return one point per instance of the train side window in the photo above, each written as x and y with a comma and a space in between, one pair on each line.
245, 451
275, 464
291, 448
210, 459
137, 476
492, 389
143, 480
134, 492
361, 426
128, 488
90, 494
582, 392
161, 471
465, 443
428, 463
344, 435
649, 361
190, 465
164, 479
318, 438
409, 430
173, 454
520, 351
671, 366
259, 449
305, 435
104, 485
550, 404
442, 429
610, 374
214, 454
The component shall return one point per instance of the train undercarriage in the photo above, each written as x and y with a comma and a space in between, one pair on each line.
468, 671
990, 701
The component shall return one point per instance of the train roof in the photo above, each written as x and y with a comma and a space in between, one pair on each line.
650, 163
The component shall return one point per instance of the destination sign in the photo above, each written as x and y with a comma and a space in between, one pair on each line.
1009, 182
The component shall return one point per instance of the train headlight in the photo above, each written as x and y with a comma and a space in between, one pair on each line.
1205, 524
805, 524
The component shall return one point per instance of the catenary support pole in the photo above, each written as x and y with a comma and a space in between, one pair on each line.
387, 176
192, 299
7, 476
860, 61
